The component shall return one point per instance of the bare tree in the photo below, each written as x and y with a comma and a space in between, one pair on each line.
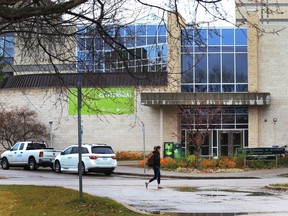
198, 120
20, 124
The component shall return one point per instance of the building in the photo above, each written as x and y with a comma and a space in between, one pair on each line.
169, 85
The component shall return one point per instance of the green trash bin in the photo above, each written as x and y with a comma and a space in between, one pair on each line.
169, 149
177, 150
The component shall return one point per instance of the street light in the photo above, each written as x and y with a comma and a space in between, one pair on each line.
144, 146
51, 141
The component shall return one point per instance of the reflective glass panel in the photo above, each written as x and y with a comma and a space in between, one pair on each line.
228, 36
200, 88
201, 69
140, 30
200, 37
242, 88
227, 68
214, 37
187, 69
214, 67
152, 30
241, 36
241, 68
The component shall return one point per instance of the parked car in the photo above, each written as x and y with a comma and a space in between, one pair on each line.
95, 158
29, 154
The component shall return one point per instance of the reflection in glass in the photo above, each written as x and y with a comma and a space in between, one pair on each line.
227, 36
241, 68
241, 36
187, 88
228, 68
187, 69
200, 37
200, 88
228, 88
214, 37
242, 88
214, 69
201, 69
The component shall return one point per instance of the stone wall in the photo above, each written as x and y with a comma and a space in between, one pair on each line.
123, 132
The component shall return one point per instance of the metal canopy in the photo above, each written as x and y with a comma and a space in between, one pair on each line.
209, 99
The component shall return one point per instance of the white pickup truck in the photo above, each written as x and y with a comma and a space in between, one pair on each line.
29, 155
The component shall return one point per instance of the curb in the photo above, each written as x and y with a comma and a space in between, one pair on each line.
186, 177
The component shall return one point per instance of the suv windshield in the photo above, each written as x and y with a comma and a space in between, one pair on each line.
102, 150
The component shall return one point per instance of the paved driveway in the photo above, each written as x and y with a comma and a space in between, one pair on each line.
211, 196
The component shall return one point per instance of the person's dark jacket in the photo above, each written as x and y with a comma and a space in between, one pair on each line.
156, 158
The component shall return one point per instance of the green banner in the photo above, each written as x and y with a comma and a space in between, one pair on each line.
97, 101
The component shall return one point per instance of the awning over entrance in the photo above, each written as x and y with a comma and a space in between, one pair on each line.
211, 99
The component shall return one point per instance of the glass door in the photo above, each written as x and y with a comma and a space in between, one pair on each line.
228, 142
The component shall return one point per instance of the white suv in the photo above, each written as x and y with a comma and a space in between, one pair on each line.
95, 158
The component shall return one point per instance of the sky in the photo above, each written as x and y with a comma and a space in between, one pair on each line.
187, 9
125, 11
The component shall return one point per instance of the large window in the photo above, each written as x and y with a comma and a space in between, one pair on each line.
6, 48
224, 118
214, 60
135, 48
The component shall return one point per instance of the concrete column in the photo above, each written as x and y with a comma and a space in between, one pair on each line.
253, 40
174, 25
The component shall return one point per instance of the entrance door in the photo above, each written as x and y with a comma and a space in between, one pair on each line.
228, 142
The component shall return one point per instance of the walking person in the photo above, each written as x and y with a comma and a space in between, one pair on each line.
156, 167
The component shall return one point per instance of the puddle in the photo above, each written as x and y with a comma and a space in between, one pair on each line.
284, 175
205, 214
248, 193
187, 189
259, 194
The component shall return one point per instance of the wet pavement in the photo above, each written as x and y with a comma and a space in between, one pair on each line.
207, 194
239, 193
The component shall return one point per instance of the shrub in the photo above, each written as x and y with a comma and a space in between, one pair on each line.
225, 163
239, 161
128, 155
260, 164
141, 163
168, 163
182, 164
283, 161
207, 163
191, 159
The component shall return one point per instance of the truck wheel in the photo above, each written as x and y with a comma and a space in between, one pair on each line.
57, 167
32, 164
5, 164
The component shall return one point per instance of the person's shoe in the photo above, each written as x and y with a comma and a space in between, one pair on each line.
160, 187
146, 184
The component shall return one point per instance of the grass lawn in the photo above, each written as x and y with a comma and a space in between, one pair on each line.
42, 200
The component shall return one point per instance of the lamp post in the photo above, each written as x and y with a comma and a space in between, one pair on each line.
144, 146
80, 132
50, 127
274, 120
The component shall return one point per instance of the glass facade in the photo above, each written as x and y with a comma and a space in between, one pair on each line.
224, 118
7, 48
134, 48
214, 60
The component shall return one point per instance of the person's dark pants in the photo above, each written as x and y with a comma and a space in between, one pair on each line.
157, 175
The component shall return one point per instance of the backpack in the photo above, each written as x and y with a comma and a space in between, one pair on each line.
150, 161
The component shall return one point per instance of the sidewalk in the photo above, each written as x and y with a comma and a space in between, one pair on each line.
132, 168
